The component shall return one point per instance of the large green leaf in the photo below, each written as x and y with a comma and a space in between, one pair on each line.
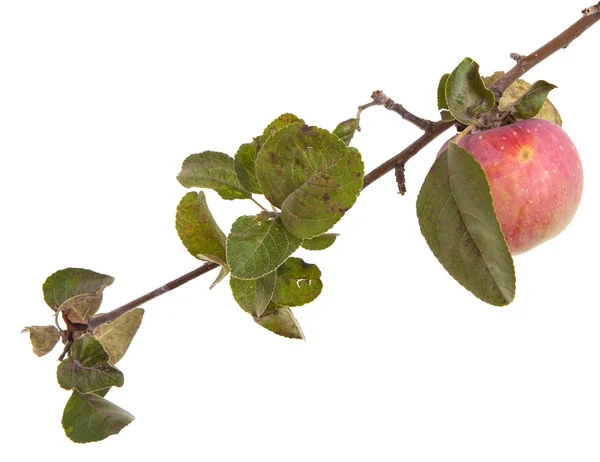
213, 170
198, 230
257, 245
43, 338
87, 369
297, 283
458, 221
320, 242
115, 337
345, 130
311, 175
253, 295
69, 282
281, 321
89, 417
466, 95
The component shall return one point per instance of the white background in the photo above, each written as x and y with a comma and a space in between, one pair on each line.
101, 102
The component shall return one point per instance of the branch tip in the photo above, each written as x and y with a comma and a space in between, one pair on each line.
594, 9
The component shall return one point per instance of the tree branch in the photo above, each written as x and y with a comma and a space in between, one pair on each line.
431, 131
381, 99
560, 41
96, 321
525, 63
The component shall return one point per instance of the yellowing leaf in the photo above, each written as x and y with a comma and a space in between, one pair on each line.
198, 230
116, 336
43, 338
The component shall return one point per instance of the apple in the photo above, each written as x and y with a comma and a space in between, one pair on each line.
535, 177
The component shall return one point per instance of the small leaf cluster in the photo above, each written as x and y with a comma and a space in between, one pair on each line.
310, 178
454, 207
465, 96
89, 371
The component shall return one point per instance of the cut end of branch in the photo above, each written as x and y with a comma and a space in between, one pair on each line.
594, 9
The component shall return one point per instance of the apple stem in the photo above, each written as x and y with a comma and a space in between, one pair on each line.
465, 132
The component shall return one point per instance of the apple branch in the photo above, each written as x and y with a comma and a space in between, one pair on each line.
524, 63
431, 131
114, 314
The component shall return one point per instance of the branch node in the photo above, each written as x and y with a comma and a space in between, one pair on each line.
381, 99
516, 56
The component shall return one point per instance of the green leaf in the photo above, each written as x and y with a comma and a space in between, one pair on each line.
530, 104
280, 122
245, 157
213, 170
115, 337
253, 295
69, 282
257, 245
89, 417
517, 89
320, 242
466, 94
245, 166
345, 130
458, 220
87, 369
43, 338
441, 92
297, 283
198, 230
311, 175
281, 321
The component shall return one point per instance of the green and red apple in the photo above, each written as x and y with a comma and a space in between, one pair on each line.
535, 177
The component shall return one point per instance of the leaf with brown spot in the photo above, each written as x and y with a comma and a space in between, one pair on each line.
80, 308
311, 175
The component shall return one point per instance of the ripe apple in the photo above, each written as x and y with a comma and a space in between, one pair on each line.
535, 177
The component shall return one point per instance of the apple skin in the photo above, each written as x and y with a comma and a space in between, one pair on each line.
535, 177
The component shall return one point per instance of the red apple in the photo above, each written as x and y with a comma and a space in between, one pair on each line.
535, 177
